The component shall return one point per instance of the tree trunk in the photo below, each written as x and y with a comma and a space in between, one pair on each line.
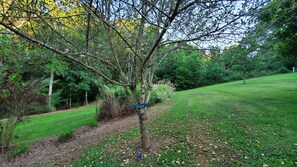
244, 76
86, 98
143, 122
50, 89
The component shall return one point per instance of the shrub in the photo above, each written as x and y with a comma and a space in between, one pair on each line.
117, 102
283, 70
65, 135
16, 101
160, 92
17, 151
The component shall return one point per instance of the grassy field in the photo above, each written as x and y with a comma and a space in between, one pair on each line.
52, 124
228, 124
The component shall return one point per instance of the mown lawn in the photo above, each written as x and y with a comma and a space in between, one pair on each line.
228, 124
37, 127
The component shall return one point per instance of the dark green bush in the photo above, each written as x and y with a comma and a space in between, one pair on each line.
283, 70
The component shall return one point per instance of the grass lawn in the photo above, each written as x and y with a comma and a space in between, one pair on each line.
228, 124
37, 127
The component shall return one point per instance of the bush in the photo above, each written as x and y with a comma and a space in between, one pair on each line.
16, 101
160, 92
283, 70
117, 102
17, 151
65, 135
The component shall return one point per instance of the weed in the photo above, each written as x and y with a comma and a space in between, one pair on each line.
93, 123
65, 135
17, 151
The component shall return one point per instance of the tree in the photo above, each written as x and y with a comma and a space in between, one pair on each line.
124, 41
239, 62
55, 66
278, 19
16, 100
183, 68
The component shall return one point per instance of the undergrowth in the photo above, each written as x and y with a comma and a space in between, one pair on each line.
64, 136
13, 152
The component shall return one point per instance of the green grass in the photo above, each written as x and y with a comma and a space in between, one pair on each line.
222, 125
37, 127
258, 120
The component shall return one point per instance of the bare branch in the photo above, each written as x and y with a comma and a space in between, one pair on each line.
167, 24
59, 52
112, 27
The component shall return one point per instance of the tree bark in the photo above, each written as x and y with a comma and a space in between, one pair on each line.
50, 89
70, 99
86, 97
244, 76
143, 122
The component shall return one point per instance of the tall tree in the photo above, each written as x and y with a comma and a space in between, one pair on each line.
279, 19
55, 66
125, 40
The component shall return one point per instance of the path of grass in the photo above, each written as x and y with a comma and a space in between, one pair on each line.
223, 125
51, 124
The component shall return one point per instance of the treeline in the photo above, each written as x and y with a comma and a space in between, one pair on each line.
22, 63
191, 68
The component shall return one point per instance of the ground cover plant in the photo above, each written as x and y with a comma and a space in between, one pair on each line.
17, 150
233, 124
42, 126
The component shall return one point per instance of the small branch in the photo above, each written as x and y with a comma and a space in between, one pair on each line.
64, 54
167, 24
113, 28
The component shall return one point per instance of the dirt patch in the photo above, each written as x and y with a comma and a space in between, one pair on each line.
49, 152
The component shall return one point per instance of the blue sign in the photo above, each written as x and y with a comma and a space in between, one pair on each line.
137, 106
138, 155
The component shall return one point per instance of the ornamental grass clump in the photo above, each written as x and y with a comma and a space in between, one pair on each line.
116, 102
160, 92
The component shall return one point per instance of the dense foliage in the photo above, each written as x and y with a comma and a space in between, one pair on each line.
190, 69
278, 19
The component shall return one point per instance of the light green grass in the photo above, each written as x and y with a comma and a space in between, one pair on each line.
257, 119
37, 127
222, 125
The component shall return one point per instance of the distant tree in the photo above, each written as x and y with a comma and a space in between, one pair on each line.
55, 66
214, 72
183, 68
239, 62
278, 19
